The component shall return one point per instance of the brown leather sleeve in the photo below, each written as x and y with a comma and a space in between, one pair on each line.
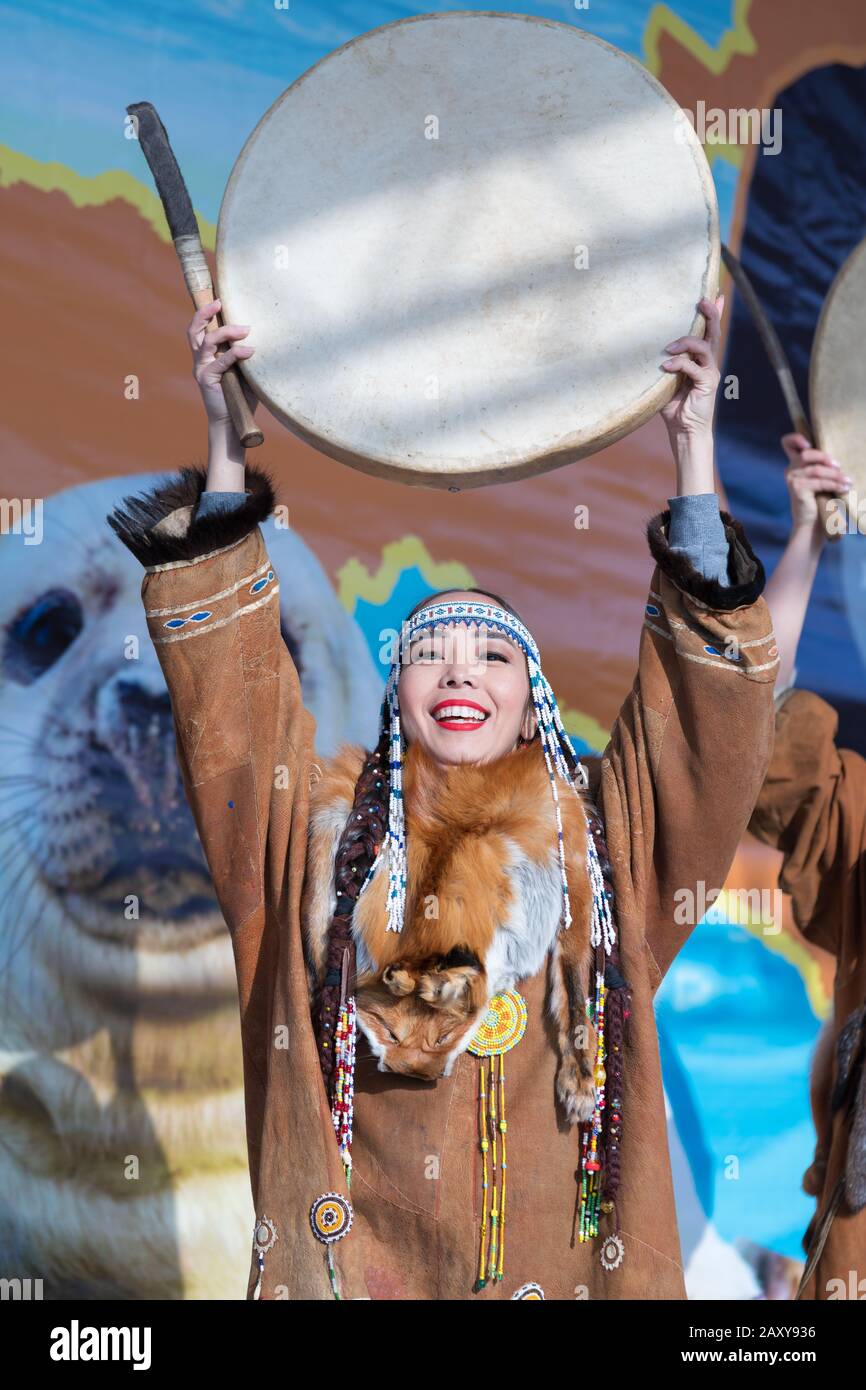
244, 738
812, 807
692, 741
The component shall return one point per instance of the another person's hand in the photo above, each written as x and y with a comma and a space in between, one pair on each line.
691, 410
208, 366
809, 472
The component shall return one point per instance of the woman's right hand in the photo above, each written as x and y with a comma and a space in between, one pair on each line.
809, 472
208, 366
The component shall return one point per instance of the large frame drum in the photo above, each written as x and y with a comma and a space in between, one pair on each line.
837, 377
462, 242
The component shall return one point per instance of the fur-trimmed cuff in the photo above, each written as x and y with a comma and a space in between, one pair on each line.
161, 526
745, 571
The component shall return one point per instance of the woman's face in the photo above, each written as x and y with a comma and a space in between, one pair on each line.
458, 670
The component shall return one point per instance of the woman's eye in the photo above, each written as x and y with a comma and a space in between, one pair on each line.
443, 1037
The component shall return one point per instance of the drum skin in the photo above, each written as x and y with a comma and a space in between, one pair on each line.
462, 242
837, 374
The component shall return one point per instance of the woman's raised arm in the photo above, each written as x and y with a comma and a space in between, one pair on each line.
691, 744
244, 738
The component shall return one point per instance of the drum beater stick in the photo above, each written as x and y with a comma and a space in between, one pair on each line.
780, 364
176, 202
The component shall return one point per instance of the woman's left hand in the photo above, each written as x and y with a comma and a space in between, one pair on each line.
690, 412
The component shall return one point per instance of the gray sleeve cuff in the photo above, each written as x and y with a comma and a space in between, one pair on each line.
696, 531
782, 692
211, 502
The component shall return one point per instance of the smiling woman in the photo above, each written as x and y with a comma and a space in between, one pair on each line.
464, 690
406, 915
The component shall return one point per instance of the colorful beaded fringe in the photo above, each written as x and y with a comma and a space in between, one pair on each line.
501, 1029
342, 1110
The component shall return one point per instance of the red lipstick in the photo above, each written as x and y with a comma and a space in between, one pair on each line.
459, 725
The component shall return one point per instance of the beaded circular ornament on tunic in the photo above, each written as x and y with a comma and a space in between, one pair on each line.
330, 1217
264, 1235
502, 1026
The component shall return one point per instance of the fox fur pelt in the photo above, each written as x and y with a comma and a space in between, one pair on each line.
483, 908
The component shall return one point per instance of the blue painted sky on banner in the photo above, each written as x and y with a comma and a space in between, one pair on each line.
213, 67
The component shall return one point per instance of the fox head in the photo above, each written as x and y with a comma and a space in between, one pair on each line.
418, 1016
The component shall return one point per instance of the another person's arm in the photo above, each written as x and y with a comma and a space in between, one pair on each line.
789, 588
812, 805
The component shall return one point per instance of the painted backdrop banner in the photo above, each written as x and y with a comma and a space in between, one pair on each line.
123, 1166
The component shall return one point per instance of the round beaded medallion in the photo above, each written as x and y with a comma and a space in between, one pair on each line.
330, 1217
528, 1291
265, 1234
612, 1252
502, 1026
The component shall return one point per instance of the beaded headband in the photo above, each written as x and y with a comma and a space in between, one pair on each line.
554, 741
